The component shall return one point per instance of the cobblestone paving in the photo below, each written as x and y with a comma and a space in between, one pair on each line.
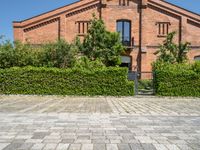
101, 123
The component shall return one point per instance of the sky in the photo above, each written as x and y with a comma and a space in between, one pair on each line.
17, 10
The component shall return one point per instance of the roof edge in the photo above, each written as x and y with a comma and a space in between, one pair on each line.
180, 7
47, 12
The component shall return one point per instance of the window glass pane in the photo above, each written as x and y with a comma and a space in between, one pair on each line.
124, 28
119, 28
126, 31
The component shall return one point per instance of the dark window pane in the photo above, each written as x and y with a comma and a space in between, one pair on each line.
126, 33
124, 28
120, 28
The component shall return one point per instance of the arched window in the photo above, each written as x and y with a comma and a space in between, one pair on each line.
124, 28
197, 58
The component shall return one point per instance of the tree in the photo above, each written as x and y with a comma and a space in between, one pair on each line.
102, 44
171, 52
59, 54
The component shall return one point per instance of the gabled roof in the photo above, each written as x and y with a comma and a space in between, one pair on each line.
181, 8
56, 12
82, 3
176, 9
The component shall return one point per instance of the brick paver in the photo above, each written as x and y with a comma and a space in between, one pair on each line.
99, 123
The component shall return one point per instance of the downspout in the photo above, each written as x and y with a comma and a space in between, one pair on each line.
139, 60
142, 5
100, 9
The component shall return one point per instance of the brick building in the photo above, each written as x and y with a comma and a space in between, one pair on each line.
143, 25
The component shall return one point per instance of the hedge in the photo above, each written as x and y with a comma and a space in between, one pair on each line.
54, 81
178, 80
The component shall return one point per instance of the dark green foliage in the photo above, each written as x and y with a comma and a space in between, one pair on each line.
170, 52
99, 44
177, 79
59, 54
52, 81
17, 54
196, 67
84, 63
145, 84
102, 44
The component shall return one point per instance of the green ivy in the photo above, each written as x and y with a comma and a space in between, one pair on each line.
54, 81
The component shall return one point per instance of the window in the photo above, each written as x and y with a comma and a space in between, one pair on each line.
197, 58
124, 28
83, 27
124, 2
163, 28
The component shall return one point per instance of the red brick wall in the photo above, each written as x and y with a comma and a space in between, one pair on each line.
71, 24
48, 32
187, 25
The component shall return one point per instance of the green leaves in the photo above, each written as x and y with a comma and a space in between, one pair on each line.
101, 44
54, 81
177, 79
59, 54
171, 52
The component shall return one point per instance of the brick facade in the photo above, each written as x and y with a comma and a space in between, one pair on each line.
150, 21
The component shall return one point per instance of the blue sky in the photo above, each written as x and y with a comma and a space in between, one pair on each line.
16, 10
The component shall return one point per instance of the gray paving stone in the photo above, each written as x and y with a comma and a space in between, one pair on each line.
99, 147
112, 147
62, 146
75, 147
50, 146
136, 146
195, 146
50, 122
172, 147
124, 147
160, 147
39, 146
148, 146
70, 141
25, 146
87, 147
40, 135
101, 141
184, 147
3, 145
13, 146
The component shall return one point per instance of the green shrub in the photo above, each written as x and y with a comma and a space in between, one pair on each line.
84, 63
177, 79
196, 67
59, 54
102, 44
53, 81
145, 84
18, 54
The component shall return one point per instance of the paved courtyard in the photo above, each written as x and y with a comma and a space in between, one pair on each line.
99, 123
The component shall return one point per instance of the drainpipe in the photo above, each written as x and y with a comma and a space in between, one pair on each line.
142, 5
100, 9
139, 59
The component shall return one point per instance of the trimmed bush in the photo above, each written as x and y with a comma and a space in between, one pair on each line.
177, 79
53, 81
